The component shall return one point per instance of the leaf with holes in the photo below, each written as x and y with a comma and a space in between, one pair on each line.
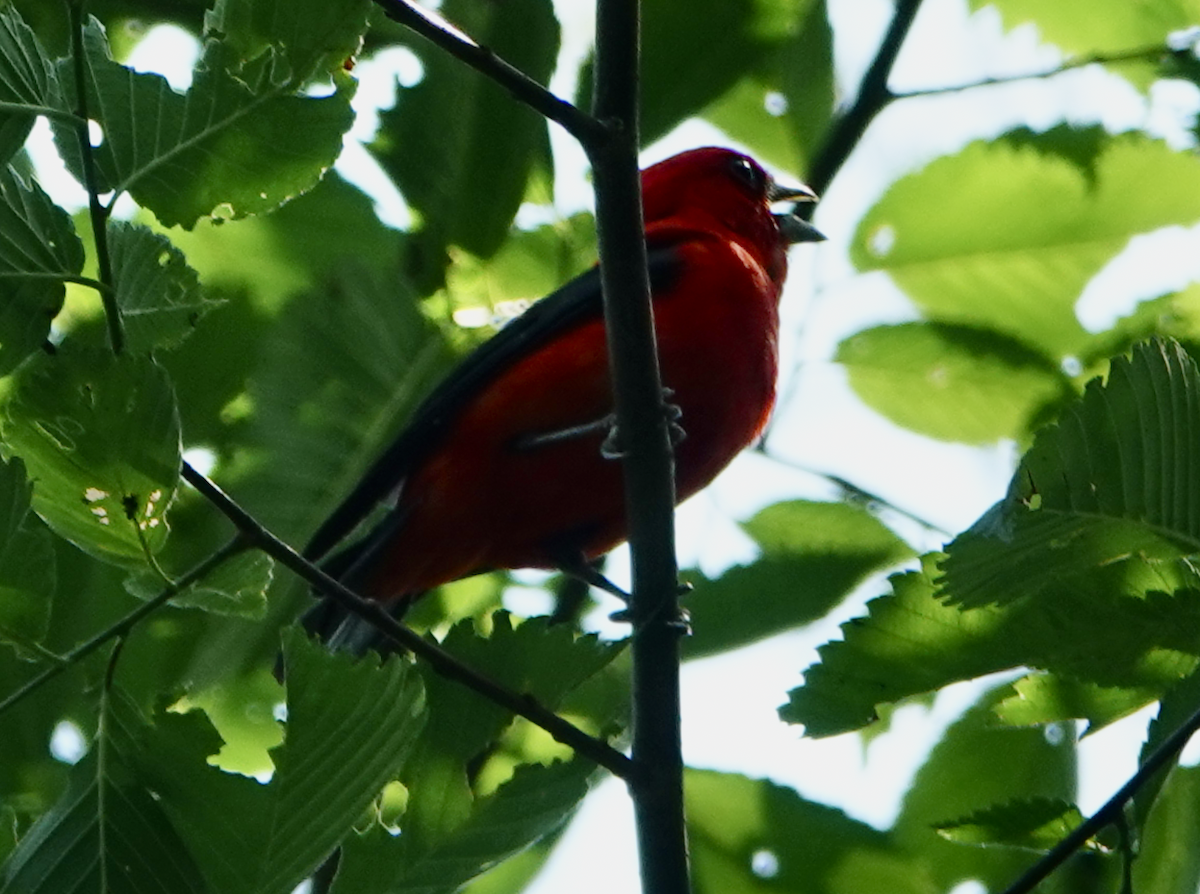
38, 250
158, 293
220, 144
100, 437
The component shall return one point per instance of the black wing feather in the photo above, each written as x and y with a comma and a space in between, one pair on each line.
576, 302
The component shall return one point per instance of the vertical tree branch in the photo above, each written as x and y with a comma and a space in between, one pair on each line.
97, 211
656, 786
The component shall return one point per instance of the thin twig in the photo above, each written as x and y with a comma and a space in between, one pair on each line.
1144, 54
585, 128
122, 627
440, 660
96, 209
1111, 811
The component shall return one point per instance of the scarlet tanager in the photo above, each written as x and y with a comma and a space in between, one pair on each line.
503, 465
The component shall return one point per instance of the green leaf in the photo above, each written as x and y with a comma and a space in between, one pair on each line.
158, 293
109, 831
535, 803
314, 36
781, 111
1022, 224
975, 765
220, 144
1051, 698
343, 369
1105, 27
27, 77
1176, 709
813, 555
910, 642
1112, 489
458, 147
750, 836
693, 53
100, 437
350, 726
954, 383
1036, 825
238, 587
27, 568
38, 249
1168, 861
545, 661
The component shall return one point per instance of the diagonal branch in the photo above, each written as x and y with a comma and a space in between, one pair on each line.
873, 97
1111, 812
586, 129
442, 662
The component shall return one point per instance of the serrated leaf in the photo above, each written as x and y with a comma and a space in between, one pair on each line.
954, 383
237, 588
535, 803
1114, 483
889, 655
27, 566
27, 77
315, 36
108, 832
220, 144
100, 437
1051, 698
158, 293
813, 555
1037, 825
750, 835
1022, 226
38, 251
350, 728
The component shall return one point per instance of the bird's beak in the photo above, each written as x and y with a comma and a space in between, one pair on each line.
794, 227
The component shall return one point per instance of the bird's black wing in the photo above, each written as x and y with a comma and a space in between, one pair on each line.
576, 302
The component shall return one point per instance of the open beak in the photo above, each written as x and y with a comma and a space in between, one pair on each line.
794, 227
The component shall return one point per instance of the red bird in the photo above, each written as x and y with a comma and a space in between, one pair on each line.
502, 466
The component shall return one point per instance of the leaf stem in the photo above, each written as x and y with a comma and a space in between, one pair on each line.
587, 129
656, 787
21, 108
124, 625
98, 212
251, 532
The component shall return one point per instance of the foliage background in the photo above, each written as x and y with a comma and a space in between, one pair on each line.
289, 344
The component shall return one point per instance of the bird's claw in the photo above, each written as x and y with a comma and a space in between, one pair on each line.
612, 448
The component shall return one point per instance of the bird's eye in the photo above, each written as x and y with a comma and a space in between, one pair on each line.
749, 173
